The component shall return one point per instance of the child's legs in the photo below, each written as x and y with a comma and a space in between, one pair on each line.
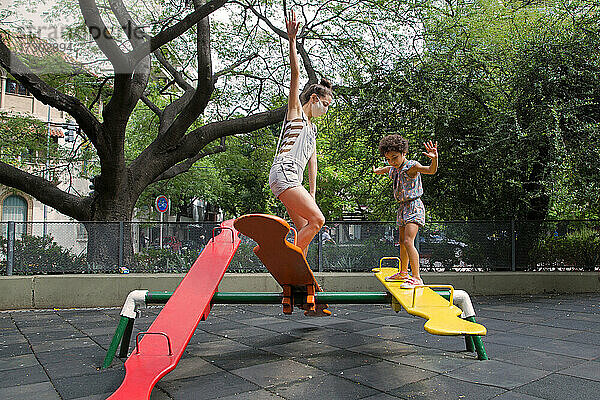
302, 207
403, 252
410, 232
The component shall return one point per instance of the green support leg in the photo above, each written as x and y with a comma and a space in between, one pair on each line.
126, 338
112, 350
478, 343
469, 343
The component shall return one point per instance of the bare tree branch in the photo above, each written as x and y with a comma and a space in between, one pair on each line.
260, 16
187, 164
48, 95
151, 105
232, 67
103, 38
45, 192
176, 30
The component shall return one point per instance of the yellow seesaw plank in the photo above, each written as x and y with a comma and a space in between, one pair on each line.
443, 317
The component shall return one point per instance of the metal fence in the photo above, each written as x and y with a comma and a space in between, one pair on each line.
150, 247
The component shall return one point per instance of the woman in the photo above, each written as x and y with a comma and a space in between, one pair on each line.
297, 148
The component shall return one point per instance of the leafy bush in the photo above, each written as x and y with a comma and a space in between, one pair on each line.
361, 256
579, 249
245, 260
164, 260
41, 255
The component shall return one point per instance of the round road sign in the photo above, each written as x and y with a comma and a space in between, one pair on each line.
162, 204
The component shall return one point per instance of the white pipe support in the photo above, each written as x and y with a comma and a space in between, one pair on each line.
134, 301
463, 301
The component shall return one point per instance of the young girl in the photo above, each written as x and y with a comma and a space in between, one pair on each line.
297, 148
406, 180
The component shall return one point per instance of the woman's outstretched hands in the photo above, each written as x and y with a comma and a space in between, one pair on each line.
431, 149
292, 24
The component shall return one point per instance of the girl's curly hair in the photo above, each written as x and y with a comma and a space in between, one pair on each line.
393, 143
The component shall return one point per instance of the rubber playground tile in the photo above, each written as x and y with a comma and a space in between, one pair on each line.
325, 321
584, 337
544, 331
6, 322
386, 349
507, 308
385, 375
24, 361
499, 325
581, 325
248, 331
14, 349
243, 358
277, 373
381, 396
189, 367
346, 340
588, 370
537, 359
309, 332
37, 391
439, 362
73, 387
200, 336
558, 386
99, 331
515, 339
454, 344
215, 347
335, 361
62, 344
255, 395
93, 355
519, 317
497, 373
67, 368
271, 339
583, 316
299, 348
361, 316
284, 326
352, 326
264, 320
511, 395
581, 350
442, 387
388, 332
516, 396
324, 387
23, 376
12, 337
393, 320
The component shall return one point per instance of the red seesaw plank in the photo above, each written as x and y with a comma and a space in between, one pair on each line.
159, 350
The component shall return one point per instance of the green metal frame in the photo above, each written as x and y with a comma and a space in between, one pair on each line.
125, 327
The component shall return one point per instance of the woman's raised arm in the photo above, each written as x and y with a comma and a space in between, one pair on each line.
294, 105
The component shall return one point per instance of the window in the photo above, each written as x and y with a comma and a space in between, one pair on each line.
81, 232
14, 208
14, 87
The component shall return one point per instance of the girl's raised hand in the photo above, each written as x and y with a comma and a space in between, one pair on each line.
431, 149
291, 24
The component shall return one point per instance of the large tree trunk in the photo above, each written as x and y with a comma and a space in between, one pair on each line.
110, 236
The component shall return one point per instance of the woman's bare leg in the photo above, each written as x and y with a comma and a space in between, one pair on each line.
299, 223
309, 219
300, 205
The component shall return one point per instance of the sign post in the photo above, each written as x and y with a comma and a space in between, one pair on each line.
162, 205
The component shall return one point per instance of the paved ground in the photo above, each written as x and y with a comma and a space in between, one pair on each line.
541, 347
